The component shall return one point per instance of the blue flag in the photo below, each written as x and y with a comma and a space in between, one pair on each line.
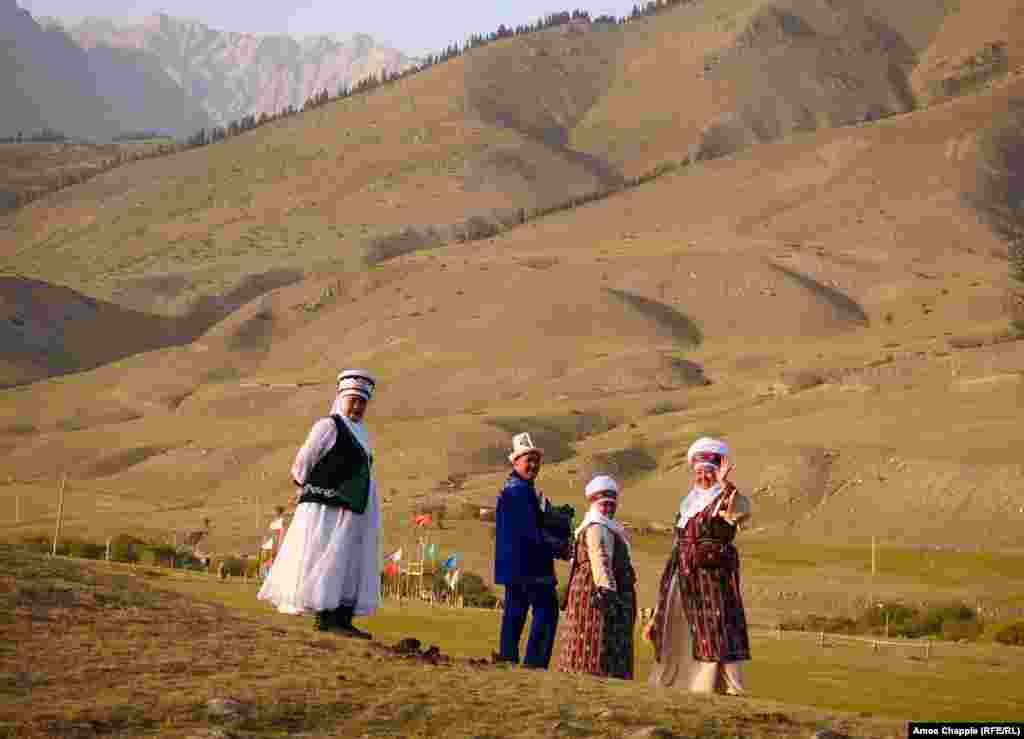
452, 562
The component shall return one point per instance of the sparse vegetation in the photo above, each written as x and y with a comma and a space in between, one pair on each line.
664, 407
625, 464
1010, 634
990, 63
952, 622
476, 591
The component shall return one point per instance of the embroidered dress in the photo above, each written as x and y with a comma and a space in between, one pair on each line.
330, 555
599, 641
707, 566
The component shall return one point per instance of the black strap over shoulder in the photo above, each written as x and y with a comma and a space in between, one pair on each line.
342, 476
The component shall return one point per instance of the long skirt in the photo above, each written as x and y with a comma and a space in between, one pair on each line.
595, 641
718, 622
330, 557
678, 669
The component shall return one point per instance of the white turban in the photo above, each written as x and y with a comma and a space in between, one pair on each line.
702, 451
603, 484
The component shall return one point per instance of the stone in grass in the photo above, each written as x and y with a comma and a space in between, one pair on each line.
211, 734
407, 646
653, 732
228, 708
571, 728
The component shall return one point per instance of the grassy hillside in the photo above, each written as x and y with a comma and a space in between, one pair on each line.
161, 654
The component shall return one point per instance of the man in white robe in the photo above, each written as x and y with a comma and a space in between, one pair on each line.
330, 558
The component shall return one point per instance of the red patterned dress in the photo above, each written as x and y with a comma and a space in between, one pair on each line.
599, 641
707, 564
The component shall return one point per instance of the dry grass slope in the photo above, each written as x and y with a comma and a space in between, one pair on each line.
160, 654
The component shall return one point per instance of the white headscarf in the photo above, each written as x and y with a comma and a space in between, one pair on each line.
700, 498
358, 429
600, 489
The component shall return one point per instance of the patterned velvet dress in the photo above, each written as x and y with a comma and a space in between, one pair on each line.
599, 641
707, 564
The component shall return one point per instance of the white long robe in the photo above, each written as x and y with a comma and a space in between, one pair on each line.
329, 556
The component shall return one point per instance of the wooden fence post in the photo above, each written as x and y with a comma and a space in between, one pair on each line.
60, 513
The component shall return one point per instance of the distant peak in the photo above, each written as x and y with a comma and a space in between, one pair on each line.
163, 20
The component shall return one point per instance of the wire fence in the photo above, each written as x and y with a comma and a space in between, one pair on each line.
825, 639
34, 502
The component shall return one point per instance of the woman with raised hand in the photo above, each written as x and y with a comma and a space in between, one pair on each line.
331, 556
699, 628
601, 604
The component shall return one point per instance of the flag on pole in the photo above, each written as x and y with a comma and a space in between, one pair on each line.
424, 519
430, 551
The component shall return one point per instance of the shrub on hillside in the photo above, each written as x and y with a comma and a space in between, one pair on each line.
37, 543
827, 624
1012, 634
160, 555
233, 566
476, 592
952, 621
82, 548
126, 548
664, 407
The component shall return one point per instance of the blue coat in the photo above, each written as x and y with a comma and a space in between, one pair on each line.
522, 553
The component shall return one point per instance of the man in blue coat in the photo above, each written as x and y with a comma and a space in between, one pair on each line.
524, 560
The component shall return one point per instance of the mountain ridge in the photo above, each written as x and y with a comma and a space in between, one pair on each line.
233, 73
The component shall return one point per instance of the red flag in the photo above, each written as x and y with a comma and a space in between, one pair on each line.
424, 519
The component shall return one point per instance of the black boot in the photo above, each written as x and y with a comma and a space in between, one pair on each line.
343, 621
324, 621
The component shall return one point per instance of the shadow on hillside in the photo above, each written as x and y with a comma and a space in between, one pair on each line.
554, 434
679, 326
622, 464
843, 306
49, 330
122, 460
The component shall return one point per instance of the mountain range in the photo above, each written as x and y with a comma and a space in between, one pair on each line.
95, 79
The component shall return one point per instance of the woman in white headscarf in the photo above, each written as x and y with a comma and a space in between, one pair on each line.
699, 628
330, 558
601, 604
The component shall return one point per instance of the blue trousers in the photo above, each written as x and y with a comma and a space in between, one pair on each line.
519, 599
